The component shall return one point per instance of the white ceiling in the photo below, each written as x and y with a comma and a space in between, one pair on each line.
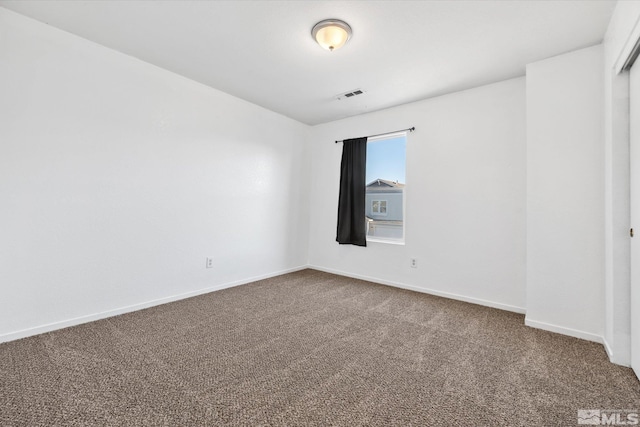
401, 51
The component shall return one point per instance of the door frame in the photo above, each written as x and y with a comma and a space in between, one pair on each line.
621, 79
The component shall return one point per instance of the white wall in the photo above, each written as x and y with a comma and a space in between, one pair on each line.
118, 179
565, 194
625, 20
465, 193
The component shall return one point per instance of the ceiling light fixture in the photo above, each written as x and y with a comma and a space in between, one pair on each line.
331, 34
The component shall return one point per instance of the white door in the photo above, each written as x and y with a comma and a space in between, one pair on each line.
634, 120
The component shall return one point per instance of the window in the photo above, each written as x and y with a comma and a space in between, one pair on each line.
379, 207
385, 188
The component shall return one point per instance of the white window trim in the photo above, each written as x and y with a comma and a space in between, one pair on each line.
388, 241
391, 241
388, 136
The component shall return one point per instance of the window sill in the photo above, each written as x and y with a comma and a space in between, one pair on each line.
387, 241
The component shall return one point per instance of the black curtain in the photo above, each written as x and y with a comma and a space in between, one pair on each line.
352, 229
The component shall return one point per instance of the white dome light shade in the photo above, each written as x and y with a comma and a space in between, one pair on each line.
331, 34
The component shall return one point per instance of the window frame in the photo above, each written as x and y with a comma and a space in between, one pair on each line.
380, 202
386, 240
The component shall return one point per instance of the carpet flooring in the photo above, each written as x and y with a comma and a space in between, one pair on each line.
309, 349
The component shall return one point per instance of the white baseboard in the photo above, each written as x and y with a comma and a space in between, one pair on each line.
621, 356
532, 323
11, 336
613, 358
607, 348
472, 300
127, 309
565, 331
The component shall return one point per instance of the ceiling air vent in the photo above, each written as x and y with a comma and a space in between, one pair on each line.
350, 94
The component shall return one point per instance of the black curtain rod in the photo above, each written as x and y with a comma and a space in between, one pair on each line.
411, 129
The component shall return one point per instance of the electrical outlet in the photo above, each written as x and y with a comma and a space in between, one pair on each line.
414, 263
209, 262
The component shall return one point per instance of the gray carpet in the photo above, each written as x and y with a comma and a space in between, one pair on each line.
309, 349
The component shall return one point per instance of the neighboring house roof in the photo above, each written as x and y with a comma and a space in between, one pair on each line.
384, 183
384, 186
